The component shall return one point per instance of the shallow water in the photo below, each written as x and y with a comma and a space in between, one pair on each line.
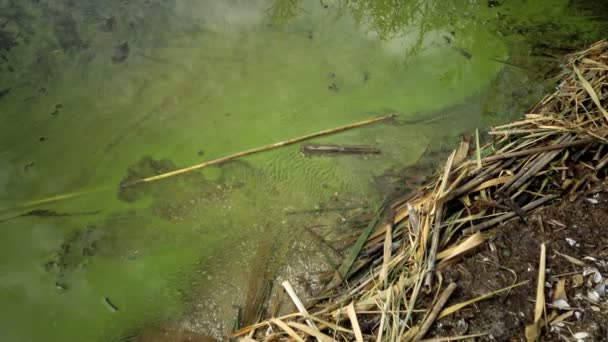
93, 89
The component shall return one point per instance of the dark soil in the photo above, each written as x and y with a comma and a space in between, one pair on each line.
575, 228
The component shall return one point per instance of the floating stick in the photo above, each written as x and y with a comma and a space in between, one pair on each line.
256, 150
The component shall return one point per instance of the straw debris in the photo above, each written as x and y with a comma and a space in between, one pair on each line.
553, 153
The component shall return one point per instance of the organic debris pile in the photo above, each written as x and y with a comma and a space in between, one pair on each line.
392, 286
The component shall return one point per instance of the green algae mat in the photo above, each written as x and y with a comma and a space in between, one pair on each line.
93, 92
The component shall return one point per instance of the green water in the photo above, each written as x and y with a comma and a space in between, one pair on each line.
203, 79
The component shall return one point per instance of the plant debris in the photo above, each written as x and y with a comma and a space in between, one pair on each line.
311, 149
393, 281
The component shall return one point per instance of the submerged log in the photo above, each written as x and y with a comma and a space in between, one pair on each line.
311, 149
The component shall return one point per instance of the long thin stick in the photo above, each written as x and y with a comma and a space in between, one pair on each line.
432, 258
447, 293
533, 168
352, 315
527, 208
536, 150
256, 150
55, 198
478, 149
298, 303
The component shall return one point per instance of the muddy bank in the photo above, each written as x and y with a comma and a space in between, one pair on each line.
503, 242
574, 229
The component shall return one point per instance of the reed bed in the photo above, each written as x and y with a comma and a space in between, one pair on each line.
390, 288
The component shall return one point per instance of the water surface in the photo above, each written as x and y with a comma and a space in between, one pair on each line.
95, 91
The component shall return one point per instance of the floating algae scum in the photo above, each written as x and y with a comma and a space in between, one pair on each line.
93, 93
556, 151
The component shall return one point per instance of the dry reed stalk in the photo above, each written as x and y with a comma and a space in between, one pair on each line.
441, 301
354, 321
533, 330
298, 303
257, 150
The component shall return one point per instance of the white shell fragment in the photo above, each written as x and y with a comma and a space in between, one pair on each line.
561, 304
597, 276
580, 336
593, 296
601, 263
592, 200
571, 242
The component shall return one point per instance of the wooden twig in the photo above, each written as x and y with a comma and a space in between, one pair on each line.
310, 149
441, 301
536, 150
527, 208
432, 257
256, 150
430, 271
529, 171
480, 178
413, 218
602, 163
510, 203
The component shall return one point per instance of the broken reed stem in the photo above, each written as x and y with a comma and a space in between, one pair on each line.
527, 208
413, 218
386, 259
256, 150
443, 299
478, 149
600, 165
298, 303
436, 232
385, 309
482, 177
536, 150
530, 170
532, 331
540, 288
430, 271
354, 321
56, 198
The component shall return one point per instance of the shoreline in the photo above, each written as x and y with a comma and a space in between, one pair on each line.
391, 287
